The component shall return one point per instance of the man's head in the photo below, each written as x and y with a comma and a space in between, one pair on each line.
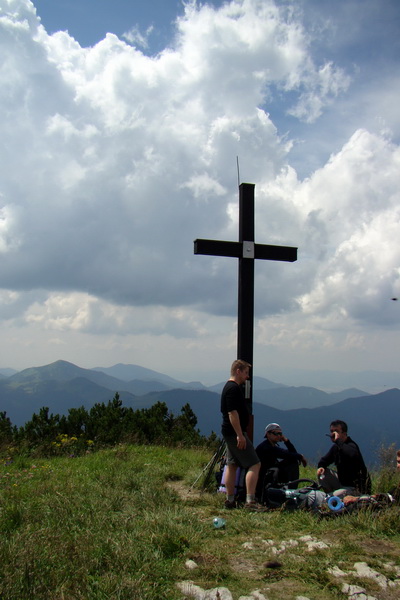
239, 364
273, 433
398, 459
340, 428
240, 371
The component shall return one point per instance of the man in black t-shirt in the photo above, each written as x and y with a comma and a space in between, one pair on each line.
240, 450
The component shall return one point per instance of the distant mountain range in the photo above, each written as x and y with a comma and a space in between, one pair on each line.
303, 412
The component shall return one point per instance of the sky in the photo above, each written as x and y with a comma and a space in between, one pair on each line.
122, 126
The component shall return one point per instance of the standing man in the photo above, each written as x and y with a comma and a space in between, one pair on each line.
352, 477
240, 450
284, 461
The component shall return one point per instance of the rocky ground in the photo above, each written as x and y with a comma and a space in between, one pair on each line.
378, 583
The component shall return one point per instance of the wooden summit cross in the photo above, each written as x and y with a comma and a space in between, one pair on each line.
246, 250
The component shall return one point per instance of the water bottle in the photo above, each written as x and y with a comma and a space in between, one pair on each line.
219, 523
335, 503
290, 493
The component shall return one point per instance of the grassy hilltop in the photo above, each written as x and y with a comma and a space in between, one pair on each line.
123, 523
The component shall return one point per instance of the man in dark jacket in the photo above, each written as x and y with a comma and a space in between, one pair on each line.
352, 476
278, 464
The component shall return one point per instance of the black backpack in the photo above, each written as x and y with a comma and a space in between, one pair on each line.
290, 496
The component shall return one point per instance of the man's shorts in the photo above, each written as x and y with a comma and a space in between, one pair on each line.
242, 458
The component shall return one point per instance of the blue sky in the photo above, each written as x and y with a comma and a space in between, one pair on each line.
89, 21
118, 151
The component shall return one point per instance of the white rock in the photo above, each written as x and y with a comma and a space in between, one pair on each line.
363, 570
316, 545
282, 546
356, 592
190, 564
336, 572
291, 543
248, 545
190, 590
219, 593
257, 595
392, 567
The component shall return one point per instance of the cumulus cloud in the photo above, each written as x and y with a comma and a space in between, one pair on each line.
120, 150
113, 162
135, 37
348, 223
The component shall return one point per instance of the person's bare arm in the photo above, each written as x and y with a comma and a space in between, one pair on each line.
235, 422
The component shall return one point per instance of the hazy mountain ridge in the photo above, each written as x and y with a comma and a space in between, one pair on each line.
139, 381
303, 412
333, 381
288, 398
142, 374
7, 372
64, 371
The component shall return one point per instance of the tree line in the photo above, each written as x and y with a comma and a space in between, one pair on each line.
105, 424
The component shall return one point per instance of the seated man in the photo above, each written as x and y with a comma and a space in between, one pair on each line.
285, 461
352, 477
395, 491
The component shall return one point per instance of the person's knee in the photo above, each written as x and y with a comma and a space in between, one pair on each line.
255, 468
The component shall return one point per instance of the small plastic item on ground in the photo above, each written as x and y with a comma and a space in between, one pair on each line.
219, 523
335, 503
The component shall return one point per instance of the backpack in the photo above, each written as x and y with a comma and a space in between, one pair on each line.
291, 497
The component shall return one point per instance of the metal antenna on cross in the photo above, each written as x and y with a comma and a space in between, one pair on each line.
246, 250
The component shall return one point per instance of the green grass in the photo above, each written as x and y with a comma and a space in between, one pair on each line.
120, 524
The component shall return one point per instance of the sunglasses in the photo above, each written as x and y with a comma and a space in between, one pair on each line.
276, 432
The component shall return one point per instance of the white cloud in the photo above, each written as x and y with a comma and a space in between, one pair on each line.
327, 83
135, 36
349, 224
113, 162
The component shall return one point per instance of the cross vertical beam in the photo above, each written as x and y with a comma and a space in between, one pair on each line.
245, 333
246, 250
245, 324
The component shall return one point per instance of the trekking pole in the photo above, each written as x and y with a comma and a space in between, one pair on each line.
210, 465
217, 457
205, 468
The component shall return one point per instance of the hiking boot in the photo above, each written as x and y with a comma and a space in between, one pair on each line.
229, 505
255, 507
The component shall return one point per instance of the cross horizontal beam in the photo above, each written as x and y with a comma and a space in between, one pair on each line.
238, 250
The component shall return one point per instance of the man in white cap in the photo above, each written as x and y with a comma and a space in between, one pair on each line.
285, 461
